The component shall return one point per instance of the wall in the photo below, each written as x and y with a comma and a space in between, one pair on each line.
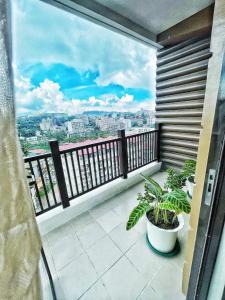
195, 25
217, 48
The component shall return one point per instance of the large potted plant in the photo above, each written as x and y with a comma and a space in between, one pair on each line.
189, 173
174, 180
163, 211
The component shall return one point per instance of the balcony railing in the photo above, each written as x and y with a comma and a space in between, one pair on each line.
60, 176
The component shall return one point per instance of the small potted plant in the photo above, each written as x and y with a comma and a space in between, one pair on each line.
163, 211
189, 173
174, 180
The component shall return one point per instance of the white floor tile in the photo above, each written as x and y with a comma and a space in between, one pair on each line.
77, 277
109, 220
168, 282
57, 234
122, 238
123, 210
123, 281
146, 262
90, 234
149, 294
81, 221
96, 292
126, 207
49, 258
104, 254
65, 251
102, 208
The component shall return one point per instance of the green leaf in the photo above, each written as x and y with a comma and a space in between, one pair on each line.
189, 168
154, 188
174, 180
136, 214
176, 200
169, 206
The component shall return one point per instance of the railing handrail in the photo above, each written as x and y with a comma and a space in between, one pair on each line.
89, 145
141, 133
36, 157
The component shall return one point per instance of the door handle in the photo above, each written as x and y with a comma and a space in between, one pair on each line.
210, 184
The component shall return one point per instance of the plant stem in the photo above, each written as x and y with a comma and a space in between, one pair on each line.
156, 213
165, 218
174, 218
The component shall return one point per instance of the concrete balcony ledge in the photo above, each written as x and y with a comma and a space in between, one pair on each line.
59, 216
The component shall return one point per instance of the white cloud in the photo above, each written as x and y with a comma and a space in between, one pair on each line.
93, 101
22, 83
48, 97
125, 100
79, 43
138, 74
45, 98
111, 101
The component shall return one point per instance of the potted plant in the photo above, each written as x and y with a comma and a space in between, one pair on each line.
163, 211
189, 173
174, 180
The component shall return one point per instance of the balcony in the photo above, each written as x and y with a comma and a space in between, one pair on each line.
82, 198
93, 256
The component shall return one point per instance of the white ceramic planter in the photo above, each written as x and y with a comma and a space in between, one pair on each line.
190, 186
163, 240
170, 190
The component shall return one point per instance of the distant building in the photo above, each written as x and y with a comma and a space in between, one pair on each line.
79, 127
150, 120
38, 133
57, 128
75, 126
32, 139
124, 124
114, 115
140, 122
85, 119
46, 124
107, 124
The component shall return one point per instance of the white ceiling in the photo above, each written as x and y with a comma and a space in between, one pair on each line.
156, 15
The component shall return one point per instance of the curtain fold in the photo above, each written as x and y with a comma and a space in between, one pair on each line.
19, 237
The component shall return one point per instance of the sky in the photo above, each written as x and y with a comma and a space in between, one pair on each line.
64, 63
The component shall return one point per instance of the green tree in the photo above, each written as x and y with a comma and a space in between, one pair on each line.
25, 147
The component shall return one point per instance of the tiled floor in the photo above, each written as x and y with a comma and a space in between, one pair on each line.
93, 257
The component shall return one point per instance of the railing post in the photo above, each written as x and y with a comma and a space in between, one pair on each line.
123, 156
158, 127
54, 146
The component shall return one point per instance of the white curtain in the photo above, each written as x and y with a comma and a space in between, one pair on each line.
19, 236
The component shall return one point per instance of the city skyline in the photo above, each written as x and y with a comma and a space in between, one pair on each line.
79, 71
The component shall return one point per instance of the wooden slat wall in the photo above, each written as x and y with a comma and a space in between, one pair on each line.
180, 91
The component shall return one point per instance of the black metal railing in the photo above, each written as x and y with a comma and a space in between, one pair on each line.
90, 166
44, 192
142, 149
60, 176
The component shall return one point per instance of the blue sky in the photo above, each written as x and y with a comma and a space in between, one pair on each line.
63, 63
